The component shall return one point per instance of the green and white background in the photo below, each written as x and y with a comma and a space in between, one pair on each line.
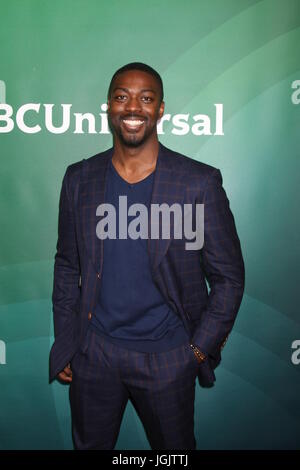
243, 54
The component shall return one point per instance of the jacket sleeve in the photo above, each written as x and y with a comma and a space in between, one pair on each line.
66, 290
224, 269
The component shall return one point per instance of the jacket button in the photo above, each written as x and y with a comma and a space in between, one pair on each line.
98, 276
89, 315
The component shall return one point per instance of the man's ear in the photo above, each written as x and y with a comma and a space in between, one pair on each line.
161, 110
108, 105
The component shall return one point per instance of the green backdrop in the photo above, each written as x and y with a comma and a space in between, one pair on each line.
243, 54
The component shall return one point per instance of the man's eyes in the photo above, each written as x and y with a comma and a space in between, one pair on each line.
146, 99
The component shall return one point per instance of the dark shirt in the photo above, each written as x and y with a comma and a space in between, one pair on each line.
131, 310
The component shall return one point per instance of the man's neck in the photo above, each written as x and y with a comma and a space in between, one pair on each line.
134, 163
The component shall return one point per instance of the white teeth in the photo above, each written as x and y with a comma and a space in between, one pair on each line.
132, 122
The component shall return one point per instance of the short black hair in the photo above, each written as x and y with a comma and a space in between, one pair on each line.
138, 66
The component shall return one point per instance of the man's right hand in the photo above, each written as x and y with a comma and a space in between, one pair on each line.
66, 374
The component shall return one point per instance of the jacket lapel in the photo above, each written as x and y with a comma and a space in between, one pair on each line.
92, 194
168, 188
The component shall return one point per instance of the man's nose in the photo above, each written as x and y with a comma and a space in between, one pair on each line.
133, 104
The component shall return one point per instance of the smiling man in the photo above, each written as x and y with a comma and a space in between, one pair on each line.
133, 316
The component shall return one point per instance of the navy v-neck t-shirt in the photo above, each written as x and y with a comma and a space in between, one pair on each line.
131, 310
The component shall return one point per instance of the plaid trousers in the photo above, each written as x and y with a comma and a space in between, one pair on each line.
161, 387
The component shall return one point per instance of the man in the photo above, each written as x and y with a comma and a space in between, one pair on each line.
133, 317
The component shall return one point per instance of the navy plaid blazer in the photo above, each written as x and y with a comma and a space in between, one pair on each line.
181, 275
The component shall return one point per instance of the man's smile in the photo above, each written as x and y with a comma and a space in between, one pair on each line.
133, 124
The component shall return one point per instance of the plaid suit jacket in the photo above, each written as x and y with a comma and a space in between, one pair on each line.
181, 275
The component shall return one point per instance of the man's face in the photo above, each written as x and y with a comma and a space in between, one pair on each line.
134, 107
